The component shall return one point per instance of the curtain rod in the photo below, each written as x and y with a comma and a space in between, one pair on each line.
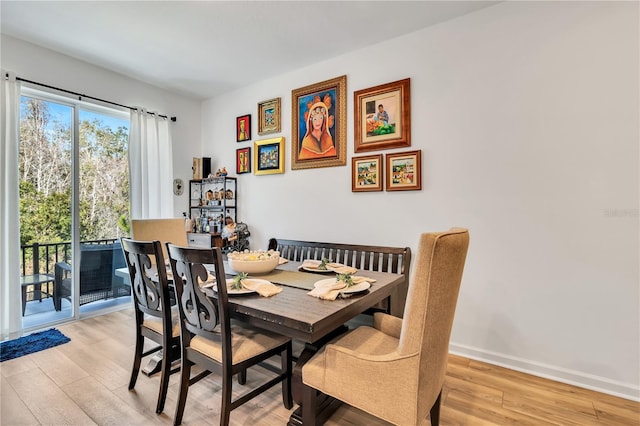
86, 96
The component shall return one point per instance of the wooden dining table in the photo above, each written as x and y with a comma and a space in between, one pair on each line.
310, 320
295, 314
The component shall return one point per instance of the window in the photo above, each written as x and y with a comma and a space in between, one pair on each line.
73, 168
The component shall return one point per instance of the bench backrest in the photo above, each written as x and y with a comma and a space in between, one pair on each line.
370, 258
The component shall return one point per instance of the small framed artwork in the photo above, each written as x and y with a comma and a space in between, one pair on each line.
268, 156
366, 173
269, 116
404, 171
319, 124
243, 160
382, 116
243, 128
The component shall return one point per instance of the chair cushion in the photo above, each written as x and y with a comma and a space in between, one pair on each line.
246, 342
363, 341
155, 323
363, 369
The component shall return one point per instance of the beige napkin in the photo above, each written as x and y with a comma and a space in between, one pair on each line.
282, 260
333, 266
211, 280
310, 264
330, 289
342, 269
262, 287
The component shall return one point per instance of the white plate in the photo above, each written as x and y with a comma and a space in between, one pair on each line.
353, 289
232, 292
318, 271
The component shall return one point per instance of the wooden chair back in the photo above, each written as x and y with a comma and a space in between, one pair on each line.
199, 314
151, 296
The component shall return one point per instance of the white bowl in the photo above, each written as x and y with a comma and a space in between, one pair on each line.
253, 266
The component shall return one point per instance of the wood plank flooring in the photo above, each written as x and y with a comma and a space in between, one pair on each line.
84, 382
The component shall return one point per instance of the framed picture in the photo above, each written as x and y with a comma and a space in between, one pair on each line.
243, 128
404, 171
269, 116
243, 160
268, 156
382, 116
366, 173
319, 124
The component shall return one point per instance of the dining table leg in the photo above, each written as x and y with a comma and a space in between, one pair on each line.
326, 405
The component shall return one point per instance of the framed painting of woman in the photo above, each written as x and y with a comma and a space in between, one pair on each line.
319, 123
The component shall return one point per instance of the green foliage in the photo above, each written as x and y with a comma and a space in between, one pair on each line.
45, 176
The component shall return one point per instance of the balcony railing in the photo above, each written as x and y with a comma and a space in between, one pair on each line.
40, 258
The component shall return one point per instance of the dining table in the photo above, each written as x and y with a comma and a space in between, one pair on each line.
313, 321
310, 320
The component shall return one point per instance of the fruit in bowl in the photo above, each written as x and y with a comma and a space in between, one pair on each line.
254, 262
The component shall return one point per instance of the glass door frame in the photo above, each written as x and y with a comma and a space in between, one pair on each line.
76, 106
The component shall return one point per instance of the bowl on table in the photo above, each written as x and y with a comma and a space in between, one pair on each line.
253, 262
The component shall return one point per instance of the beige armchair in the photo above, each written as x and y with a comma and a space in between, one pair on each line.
395, 370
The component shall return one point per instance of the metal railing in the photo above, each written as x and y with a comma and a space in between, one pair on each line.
40, 258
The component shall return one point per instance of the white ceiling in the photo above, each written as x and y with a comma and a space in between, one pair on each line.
203, 48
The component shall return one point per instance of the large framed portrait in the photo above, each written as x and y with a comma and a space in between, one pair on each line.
268, 156
269, 116
319, 124
243, 128
243, 160
382, 116
367, 173
404, 171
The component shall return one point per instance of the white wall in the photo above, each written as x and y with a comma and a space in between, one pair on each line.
35, 63
527, 117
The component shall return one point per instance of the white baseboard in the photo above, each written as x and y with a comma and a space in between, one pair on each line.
558, 374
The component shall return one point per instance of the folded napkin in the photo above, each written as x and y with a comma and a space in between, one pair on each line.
211, 280
282, 260
330, 289
333, 266
262, 287
310, 264
342, 269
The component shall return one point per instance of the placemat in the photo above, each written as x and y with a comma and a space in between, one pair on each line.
302, 280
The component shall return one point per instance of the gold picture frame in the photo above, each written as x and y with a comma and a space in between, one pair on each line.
326, 103
269, 116
382, 116
404, 171
367, 173
268, 156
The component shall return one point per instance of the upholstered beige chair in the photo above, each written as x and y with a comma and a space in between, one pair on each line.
164, 230
395, 370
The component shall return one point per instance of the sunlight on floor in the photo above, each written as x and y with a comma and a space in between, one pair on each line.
39, 314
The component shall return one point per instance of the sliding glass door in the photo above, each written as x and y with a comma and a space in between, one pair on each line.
73, 200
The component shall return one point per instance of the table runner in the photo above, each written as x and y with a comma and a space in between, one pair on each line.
302, 280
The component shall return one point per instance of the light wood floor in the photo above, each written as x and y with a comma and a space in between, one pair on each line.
84, 382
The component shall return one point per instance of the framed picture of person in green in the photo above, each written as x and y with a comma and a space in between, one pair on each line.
382, 116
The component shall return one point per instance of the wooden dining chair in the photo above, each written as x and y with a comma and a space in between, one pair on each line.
154, 318
395, 370
210, 340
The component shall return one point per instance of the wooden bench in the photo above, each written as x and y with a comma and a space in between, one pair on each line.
364, 257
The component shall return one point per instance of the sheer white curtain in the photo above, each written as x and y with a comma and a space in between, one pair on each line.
10, 293
150, 166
